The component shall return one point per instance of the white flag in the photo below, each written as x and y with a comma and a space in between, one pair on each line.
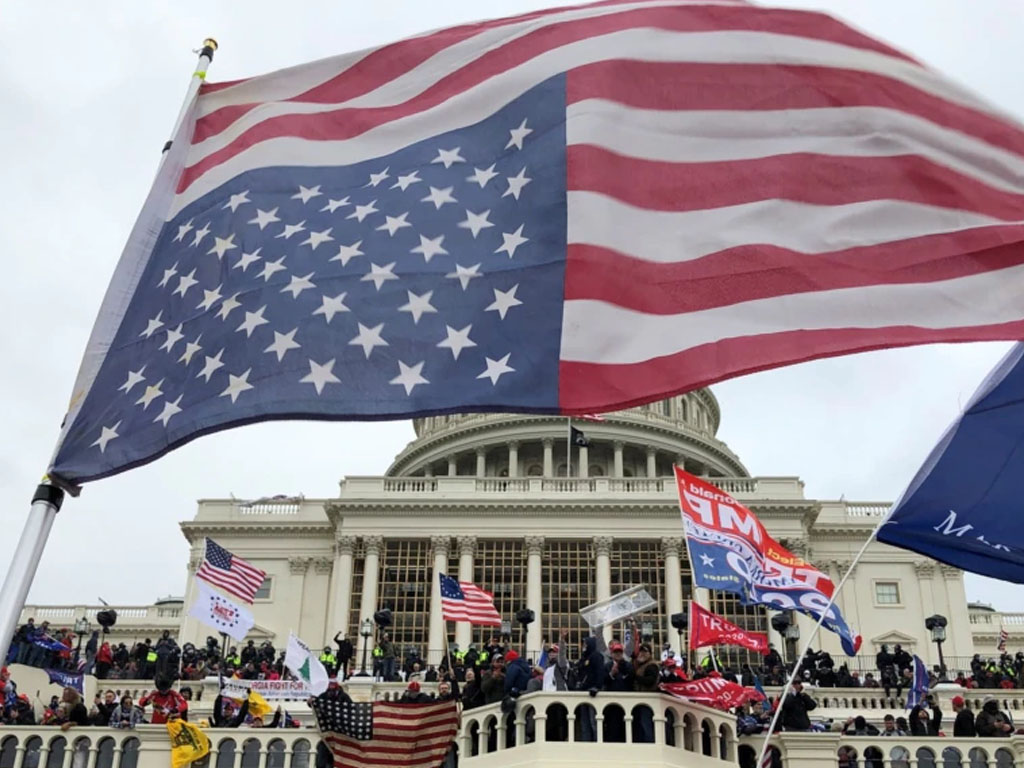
221, 614
304, 665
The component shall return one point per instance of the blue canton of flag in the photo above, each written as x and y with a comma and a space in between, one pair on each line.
450, 588
393, 286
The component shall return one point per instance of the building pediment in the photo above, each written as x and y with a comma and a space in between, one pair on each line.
892, 638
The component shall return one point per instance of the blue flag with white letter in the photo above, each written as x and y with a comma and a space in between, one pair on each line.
964, 505
67, 679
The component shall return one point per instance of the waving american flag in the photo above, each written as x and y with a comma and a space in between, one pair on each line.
574, 210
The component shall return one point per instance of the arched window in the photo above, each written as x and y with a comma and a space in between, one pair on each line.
56, 757
275, 754
670, 727
251, 753
951, 758
129, 753
80, 756
300, 754
596, 470
614, 724
666, 408
560, 471
105, 753
705, 737
925, 758
535, 470
8, 749
557, 725
643, 725
978, 757
900, 757
474, 739
226, 753
1004, 758
32, 747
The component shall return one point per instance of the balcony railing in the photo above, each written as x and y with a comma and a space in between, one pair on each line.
560, 487
544, 729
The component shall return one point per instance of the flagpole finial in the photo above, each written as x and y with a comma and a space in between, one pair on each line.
209, 46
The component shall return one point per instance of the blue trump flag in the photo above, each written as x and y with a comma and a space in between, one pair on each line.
919, 686
67, 679
963, 505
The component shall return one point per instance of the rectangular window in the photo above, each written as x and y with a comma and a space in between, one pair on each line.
887, 592
263, 593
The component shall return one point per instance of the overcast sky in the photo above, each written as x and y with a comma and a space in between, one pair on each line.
88, 95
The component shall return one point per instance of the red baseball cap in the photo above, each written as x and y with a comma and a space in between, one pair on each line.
958, 701
414, 686
511, 656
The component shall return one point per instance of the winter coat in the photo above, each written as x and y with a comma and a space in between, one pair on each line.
517, 676
964, 723
794, 711
592, 671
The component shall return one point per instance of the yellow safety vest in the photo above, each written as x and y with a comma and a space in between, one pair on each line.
151, 656
378, 652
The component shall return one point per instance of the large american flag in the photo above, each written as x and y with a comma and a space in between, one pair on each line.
465, 601
1004, 636
386, 734
574, 210
232, 574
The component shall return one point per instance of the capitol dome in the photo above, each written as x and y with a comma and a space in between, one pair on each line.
638, 442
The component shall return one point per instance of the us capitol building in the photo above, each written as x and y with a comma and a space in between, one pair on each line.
490, 498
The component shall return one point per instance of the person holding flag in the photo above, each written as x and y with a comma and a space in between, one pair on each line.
922, 721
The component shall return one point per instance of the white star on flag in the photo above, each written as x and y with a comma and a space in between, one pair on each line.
222, 245
448, 157
106, 435
518, 134
264, 217
331, 306
305, 194
237, 385
409, 376
504, 301
320, 375
282, 343
456, 341
511, 241
496, 368
417, 305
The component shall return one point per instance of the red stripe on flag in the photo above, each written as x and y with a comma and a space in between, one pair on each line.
760, 271
800, 177
754, 87
345, 123
584, 386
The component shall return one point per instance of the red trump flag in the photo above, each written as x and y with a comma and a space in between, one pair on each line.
707, 628
713, 691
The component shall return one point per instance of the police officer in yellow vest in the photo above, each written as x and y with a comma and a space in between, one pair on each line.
329, 660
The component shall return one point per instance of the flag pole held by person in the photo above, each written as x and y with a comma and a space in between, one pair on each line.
49, 496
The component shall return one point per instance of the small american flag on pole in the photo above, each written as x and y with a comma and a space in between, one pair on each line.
1003, 637
465, 601
387, 734
232, 574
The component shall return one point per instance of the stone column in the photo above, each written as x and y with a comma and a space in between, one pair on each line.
371, 570
534, 551
513, 459
297, 567
584, 461
925, 571
452, 468
428, 471
316, 600
436, 633
652, 462
549, 461
670, 549
481, 462
959, 641
467, 548
341, 584
617, 468
603, 571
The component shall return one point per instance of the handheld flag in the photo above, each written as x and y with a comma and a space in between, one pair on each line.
188, 743
234, 575
730, 550
714, 690
387, 734
541, 214
962, 505
305, 665
919, 687
707, 628
258, 706
67, 679
464, 601
1003, 637
221, 614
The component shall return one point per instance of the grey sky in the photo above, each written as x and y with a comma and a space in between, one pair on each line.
89, 93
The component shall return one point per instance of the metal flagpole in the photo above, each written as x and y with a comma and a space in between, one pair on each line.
48, 498
814, 634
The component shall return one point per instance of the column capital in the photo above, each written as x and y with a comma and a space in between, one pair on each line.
323, 564
373, 544
299, 565
603, 545
513, 445
344, 544
481, 452
651, 450
671, 546
534, 545
467, 545
924, 569
618, 445
950, 571
799, 548
547, 442
194, 561
440, 545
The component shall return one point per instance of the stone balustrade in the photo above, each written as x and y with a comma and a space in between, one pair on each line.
544, 729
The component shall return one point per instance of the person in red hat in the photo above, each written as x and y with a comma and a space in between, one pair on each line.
517, 674
964, 723
413, 694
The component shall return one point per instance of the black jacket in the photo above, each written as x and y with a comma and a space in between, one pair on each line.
592, 672
219, 721
794, 711
964, 723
